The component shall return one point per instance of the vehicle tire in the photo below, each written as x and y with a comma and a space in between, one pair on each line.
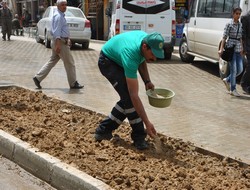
85, 45
224, 68
167, 55
47, 41
38, 39
183, 48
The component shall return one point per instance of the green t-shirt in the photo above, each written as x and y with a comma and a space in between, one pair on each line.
125, 50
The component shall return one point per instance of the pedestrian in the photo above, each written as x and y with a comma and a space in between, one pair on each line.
6, 17
120, 59
232, 37
245, 80
26, 18
16, 25
60, 45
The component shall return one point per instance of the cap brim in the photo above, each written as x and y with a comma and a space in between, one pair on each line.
158, 53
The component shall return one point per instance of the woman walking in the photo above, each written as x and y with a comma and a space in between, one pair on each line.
232, 37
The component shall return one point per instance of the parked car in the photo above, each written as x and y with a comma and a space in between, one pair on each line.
79, 27
148, 16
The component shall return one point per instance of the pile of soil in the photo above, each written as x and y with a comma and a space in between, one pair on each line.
66, 131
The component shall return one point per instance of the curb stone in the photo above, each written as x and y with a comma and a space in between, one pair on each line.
46, 167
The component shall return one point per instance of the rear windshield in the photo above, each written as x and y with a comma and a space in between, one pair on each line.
74, 13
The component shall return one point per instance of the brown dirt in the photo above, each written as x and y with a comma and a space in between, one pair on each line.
66, 132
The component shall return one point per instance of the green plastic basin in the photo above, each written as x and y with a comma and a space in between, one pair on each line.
160, 97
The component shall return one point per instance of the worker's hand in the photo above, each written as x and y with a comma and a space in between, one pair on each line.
150, 130
149, 85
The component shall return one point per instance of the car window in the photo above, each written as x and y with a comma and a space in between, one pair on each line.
74, 13
193, 8
205, 8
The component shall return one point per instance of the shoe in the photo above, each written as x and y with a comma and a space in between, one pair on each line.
4, 39
141, 144
234, 93
37, 82
76, 86
227, 84
103, 136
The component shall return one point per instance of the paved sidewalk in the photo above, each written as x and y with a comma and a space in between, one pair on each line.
201, 112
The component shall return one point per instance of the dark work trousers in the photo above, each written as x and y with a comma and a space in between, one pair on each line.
124, 107
6, 28
245, 80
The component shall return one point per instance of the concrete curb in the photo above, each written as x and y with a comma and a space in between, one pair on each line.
46, 167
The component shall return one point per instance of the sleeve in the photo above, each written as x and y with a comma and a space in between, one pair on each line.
56, 26
226, 31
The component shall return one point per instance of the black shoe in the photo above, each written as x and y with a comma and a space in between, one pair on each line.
76, 86
141, 144
37, 82
103, 136
4, 39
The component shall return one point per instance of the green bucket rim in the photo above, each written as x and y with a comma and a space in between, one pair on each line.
150, 94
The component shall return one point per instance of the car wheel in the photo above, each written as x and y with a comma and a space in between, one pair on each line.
47, 41
183, 49
38, 39
224, 68
85, 45
167, 55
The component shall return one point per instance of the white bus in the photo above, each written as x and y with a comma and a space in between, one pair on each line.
203, 33
147, 15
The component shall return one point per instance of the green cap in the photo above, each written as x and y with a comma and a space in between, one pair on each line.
155, 42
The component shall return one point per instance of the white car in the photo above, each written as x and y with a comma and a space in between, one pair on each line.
79, 27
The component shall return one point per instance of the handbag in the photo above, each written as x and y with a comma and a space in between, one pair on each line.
227, 54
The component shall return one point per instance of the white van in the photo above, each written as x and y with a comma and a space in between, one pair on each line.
203, 33
147, 15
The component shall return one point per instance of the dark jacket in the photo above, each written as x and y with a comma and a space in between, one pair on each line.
16, 24
245, 20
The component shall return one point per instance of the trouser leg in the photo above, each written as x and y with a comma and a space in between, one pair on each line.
4, 30
44, 71
68, 62
9, 29
112, 122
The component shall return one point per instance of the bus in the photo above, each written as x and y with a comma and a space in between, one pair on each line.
203, 32
147, 15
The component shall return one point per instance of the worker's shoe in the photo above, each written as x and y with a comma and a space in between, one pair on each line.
103, 136
141, 144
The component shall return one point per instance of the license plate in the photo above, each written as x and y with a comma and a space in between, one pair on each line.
73, 25
131, 27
